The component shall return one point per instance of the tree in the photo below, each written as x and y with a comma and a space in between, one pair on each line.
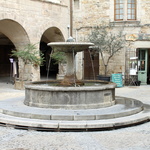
106, 42
29, 55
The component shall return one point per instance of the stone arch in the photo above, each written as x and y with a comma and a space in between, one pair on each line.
52, 34
50, 25
14, 31
12, 35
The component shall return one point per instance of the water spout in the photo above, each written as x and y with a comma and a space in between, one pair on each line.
93, 69
49, 63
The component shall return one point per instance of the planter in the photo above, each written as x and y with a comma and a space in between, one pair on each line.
104, 78
19, 85
137, 83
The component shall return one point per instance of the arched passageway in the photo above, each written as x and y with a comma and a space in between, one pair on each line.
5, 51
50, 68
12, 35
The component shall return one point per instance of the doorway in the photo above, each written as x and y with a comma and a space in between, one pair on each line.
91, 65
144, 65
49, 69
12, 35
6, 72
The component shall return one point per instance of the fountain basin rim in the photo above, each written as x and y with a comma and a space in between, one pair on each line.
39, 86
62, 97
70, 44
69, 47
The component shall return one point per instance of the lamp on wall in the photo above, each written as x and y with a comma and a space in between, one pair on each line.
68, 27
11, 60
11, 68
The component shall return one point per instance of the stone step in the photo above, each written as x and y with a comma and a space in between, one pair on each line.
124, 107
56, 125
126, 112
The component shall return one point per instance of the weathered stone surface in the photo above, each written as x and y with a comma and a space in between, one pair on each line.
94, 13
27, 20
30, 19
83, 97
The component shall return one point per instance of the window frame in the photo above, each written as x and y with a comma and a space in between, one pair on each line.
132, 13
124, 16
119, 10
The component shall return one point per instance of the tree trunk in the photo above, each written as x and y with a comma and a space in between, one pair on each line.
105, 69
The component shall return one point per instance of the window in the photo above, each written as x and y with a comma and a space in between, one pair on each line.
125, 10
118, 9
131, 10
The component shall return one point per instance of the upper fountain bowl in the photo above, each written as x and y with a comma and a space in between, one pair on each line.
70, 46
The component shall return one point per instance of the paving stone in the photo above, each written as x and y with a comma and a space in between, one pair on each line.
135, 138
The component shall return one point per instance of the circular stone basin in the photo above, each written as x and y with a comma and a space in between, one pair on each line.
46, 94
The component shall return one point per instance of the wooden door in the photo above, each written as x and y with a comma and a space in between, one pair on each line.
91, 66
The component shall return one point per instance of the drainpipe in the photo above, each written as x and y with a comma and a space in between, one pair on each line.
71, 18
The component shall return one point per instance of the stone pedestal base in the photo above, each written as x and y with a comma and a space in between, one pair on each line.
60, 76
19, 85
71, 80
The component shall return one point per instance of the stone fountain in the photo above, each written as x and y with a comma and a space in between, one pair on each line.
71, 92
71, 104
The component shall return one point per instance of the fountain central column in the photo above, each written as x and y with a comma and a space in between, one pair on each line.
70, 78
70, 49
70, 64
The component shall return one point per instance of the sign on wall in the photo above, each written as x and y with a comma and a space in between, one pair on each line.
140, 37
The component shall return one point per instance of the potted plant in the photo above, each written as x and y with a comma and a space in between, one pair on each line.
107, 43
29, 55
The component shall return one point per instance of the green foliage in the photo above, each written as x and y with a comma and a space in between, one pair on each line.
29, 55
107, 42
59, 57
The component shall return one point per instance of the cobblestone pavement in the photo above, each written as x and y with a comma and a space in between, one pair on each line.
131, 138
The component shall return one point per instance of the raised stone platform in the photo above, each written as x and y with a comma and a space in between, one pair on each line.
126, 112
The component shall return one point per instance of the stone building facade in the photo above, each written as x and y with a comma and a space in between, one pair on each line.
131, 16
44, 21
30, 21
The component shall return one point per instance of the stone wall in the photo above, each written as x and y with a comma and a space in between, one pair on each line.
25, 21
92, 13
